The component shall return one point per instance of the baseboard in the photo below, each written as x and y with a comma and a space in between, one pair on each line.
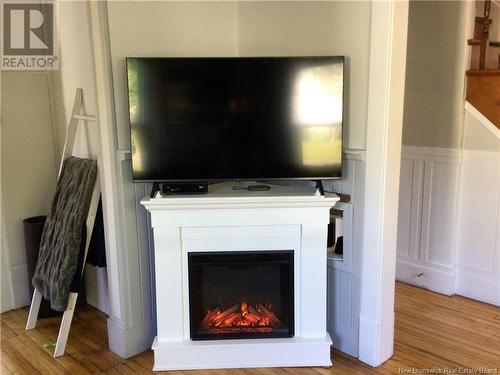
477, 287
369, 333
128, 341
433, 279
220, 354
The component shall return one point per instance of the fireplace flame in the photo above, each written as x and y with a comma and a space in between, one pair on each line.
242, 317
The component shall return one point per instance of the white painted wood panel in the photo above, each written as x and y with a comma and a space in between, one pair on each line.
427, 217
343, 310
249, 231
352, 172
145, 256
237, 244
405, 206
417, 192
442, 203
458, 243
168, 258
240, 216
344, 290
479, 217
478, 243
96, 287
313, 284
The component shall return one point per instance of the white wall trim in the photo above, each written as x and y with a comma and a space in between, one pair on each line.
355, 154
389, 25
108, 178
484, 157
7, 298
473, 284
445, 155
130, 331
124, 338
123, 155
447, 268
437, 280
482, 119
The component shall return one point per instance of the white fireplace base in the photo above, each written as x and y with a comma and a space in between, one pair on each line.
283, 218
217, 354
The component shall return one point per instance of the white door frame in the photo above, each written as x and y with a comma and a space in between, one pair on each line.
389, 24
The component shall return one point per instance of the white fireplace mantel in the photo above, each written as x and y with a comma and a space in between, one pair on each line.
284, 218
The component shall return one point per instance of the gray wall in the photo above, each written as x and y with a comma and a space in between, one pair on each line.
434, 74
28, 170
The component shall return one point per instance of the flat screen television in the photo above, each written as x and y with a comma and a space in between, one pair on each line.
241, 118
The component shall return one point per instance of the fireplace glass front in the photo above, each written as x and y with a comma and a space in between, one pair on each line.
241, 294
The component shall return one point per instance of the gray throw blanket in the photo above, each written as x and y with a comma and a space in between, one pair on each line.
62, 234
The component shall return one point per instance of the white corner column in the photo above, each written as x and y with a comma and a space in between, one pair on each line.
130, 323
389, 23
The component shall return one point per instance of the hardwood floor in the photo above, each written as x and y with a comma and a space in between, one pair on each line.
432, 331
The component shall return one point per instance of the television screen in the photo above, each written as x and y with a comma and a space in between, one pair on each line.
210, 119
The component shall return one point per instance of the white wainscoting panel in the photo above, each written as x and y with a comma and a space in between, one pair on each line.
478, 243
344, 274
343, 310
427, 217
405, 206
96, 287
440, 199
20, 282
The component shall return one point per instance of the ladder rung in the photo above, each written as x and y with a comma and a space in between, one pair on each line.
474, 42
85, 117
481, 20
495, 44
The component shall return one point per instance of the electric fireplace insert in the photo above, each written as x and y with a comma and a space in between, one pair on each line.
241, 294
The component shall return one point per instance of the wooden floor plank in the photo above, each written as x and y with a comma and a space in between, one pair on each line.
43, 362
4, 370
105, 359
68, 361
14, 360
431, 331
6, 332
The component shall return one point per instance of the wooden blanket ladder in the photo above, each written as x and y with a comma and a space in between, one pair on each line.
78, 114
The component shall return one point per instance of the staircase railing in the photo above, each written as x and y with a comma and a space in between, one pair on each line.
483, 79
482, 35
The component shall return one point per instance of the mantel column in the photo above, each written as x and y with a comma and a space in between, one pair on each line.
169, 303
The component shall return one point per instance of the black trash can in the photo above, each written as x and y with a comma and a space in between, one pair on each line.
33, 228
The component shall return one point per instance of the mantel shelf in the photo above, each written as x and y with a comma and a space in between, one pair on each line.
223, 196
